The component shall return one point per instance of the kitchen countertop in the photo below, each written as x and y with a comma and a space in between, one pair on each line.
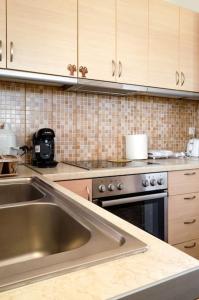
118, 277
111, 279
67, 172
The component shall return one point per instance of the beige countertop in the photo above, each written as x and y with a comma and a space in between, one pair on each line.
114, 278
67, 172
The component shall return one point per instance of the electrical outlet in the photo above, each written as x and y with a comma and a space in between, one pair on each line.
192, 131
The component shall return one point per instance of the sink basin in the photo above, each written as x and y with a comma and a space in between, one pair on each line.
19, 191
44, 233
37, 230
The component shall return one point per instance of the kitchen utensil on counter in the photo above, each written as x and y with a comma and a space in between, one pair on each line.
8, 165
137, 146
193, 148
43, 148
8, 144
160, 154
7, 140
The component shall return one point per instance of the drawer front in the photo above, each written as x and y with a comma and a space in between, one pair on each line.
190, 247
82, 187
182, 230
183, 182
183, 206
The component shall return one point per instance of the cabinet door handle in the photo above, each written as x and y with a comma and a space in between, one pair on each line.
190, 174
177, 78
190, 222
113, 68
83, 71
190, 246
190, 198
120, 69
88, 193
182, 78
72, 69
1, 50
11, 51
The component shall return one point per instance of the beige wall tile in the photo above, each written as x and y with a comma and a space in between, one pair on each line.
89, 126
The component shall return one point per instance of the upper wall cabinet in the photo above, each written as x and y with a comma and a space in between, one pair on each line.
42, 36
163, 44
96, 39
2, 34
189, 50
132, 41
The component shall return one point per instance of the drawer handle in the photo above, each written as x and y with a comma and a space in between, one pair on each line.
190, 222
88, 193
188, 174
190, 198
190, 246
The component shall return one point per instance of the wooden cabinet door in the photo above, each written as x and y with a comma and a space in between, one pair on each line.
2, 33
163, 44
96, 38
189, 50
82, 187
42, 35
132, 41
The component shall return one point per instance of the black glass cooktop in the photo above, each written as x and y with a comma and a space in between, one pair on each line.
105, 164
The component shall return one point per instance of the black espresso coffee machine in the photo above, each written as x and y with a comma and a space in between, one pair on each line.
43, 148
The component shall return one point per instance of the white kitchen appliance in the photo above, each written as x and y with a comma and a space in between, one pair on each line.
7, 141
137, 146
193, 148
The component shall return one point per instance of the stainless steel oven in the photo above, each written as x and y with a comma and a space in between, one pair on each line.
139, 199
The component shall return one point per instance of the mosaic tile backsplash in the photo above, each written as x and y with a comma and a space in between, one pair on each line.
89, 126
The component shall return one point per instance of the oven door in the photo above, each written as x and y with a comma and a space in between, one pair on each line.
148, 212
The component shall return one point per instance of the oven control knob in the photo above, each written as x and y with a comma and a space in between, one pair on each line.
153, 182
111, 187
145, 182
102, 188
161, 181
120, 186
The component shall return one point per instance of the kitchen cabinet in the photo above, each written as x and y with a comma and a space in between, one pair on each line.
163, 44
183, 210
2, 34
190, 247
81, 187
183, 182
132, 41
96, 39
113, 40
42, 36
189, 50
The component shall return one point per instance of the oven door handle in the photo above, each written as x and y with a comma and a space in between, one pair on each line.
121, 201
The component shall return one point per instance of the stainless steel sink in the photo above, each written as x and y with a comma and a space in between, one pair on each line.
53, 235
37, 230
20, 191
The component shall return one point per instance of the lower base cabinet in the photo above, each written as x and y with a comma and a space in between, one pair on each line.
183, 211
82, 187
182, 230
191, 248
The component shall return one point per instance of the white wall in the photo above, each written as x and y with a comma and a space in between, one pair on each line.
192, 4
